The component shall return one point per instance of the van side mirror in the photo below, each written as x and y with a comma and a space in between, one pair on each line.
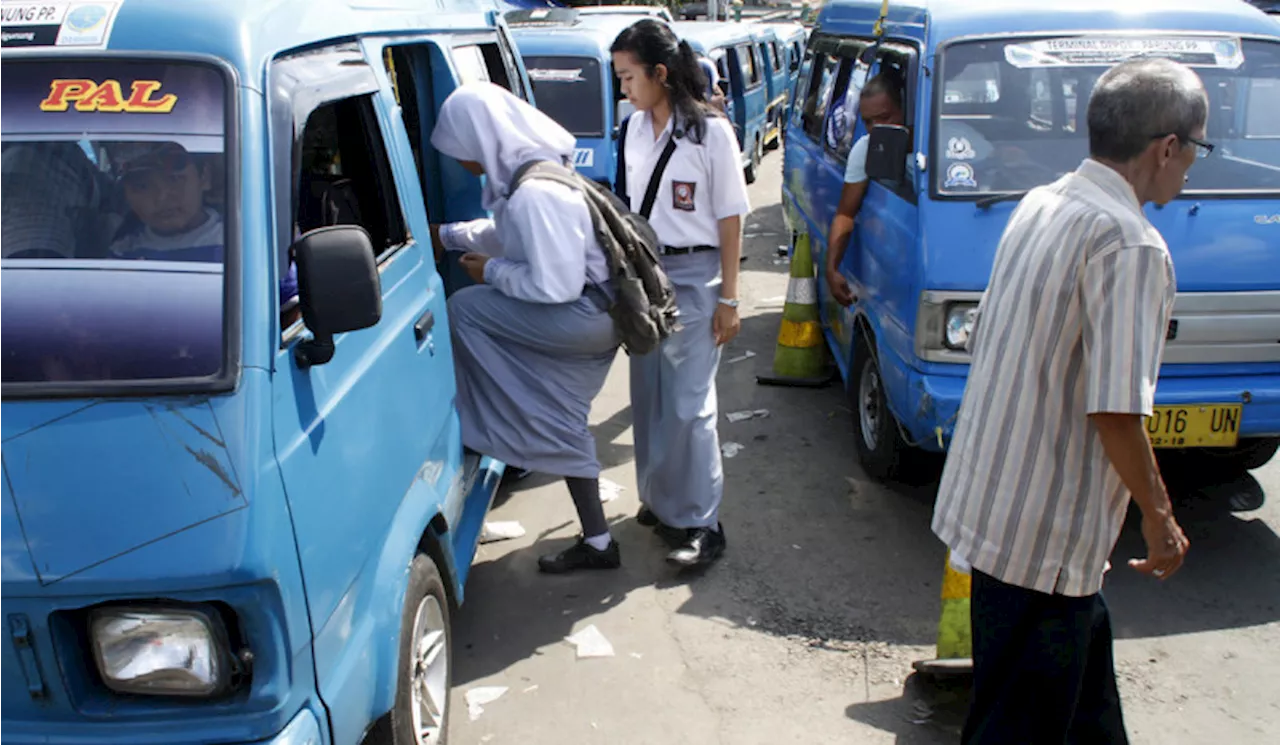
338, 288
887, 153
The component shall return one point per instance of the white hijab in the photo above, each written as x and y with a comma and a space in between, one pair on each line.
484, 123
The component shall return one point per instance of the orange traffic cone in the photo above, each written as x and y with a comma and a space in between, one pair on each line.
801, 355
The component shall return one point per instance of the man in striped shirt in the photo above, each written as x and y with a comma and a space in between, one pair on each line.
1050, 443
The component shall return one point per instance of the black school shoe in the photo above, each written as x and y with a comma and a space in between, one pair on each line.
581, 555
673, 536
702, 546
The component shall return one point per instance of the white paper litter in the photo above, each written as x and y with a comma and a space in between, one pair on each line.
478, 697
501, 531
742, 416
590, 643
781, 262
610, 490
730, 449
531, 689
778, 300
744, 356
637, 655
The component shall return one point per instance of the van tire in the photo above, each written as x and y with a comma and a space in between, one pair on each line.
884, 454
425, 594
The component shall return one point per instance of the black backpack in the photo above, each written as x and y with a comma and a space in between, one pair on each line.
644, 309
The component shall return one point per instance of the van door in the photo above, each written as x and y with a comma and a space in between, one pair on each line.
755, 99
373, 433
882, 263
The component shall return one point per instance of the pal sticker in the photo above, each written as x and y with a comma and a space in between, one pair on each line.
960, 175
959, 148
61, 24
584, 157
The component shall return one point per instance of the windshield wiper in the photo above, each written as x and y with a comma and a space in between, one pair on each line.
1009, 196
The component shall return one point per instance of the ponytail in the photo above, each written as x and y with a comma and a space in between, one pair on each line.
653, 43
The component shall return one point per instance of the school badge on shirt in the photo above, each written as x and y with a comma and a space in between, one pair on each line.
682, 195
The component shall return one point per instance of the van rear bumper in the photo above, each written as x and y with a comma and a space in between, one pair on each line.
935, 401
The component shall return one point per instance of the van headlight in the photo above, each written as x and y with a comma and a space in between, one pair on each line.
161, 652
959, 326
944, 323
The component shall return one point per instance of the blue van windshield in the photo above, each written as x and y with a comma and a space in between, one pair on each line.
113, 233
1012, 113
568, 89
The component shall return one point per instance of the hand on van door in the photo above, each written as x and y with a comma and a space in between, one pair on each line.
474, 264
436, 242
840, 289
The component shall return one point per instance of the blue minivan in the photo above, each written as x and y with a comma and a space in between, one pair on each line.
995, 100
731, 47
237, 508
773, 59
571, 70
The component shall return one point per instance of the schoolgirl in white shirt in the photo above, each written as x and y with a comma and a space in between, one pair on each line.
697, 212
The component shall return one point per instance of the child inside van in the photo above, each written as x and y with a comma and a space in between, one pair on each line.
165, 189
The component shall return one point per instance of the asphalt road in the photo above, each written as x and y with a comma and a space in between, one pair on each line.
806, 631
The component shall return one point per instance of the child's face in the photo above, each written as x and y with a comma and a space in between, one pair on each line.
168, 194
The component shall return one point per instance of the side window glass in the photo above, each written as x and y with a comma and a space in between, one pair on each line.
821, 82
496, 67
509, 61
842, 122
344, 176
845, 124
756, 61
471, 64
777, 58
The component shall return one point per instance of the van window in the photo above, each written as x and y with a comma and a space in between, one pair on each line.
344, 175
569, 90
777, 58
115, 245
1012, 115
821, 84
496, 66
763, 48
471, 64
747, 62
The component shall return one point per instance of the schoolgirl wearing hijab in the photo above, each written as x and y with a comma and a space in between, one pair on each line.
533, 342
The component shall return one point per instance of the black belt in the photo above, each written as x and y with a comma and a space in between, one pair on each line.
682, 250
597, 296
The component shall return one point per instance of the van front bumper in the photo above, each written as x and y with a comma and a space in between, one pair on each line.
303, 730
935, 403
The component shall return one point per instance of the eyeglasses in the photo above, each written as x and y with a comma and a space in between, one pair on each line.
1202, 148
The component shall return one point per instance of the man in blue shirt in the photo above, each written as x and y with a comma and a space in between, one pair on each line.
879, 103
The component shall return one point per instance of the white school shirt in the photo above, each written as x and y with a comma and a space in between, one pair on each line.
542, 241
703, 183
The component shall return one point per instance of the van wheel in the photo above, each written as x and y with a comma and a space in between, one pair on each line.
881, 448
757, 155
425, 674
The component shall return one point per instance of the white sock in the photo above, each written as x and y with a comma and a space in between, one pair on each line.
600, 542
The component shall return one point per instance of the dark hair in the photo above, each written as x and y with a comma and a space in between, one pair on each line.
654, 43
883, 84
1140, 100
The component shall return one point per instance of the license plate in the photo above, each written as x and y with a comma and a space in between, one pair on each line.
1195, 426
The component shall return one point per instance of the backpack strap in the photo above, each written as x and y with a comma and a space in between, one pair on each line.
620, 178
651, 194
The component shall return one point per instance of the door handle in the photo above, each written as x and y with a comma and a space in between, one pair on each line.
425, 323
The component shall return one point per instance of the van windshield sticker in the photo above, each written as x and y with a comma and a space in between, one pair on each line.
62, 24
1085, 51
545, 75
108, 96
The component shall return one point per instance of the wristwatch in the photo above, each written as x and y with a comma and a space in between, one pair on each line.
731, 302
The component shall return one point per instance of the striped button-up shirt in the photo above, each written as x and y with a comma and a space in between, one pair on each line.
1072, 323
